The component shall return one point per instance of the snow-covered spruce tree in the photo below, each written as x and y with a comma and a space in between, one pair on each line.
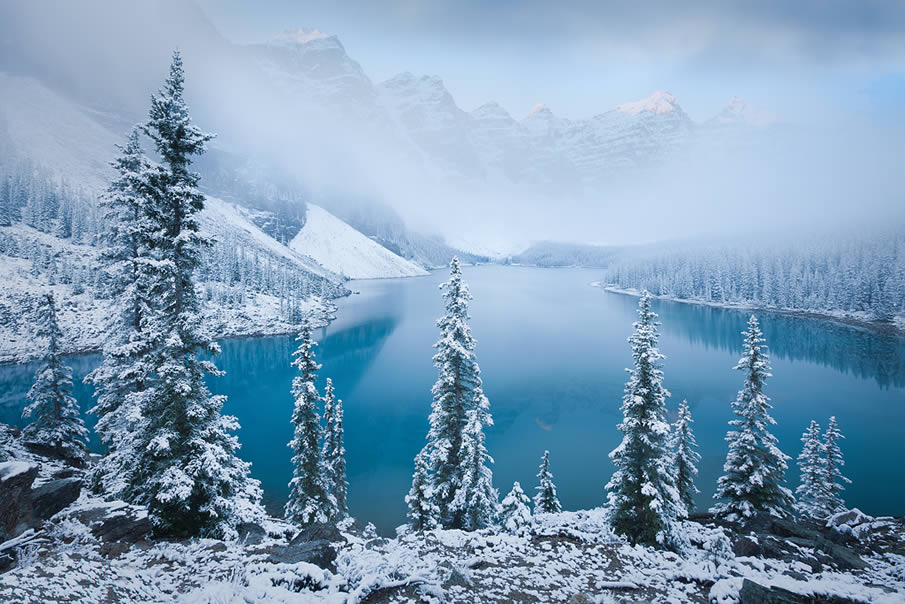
333, 453
812, 463
187, 471
54, 412
475, 504
456, 392
835, 481
121, 380
644, 502
545, 501
308, 500
755, 467
685, 457
515, 515
423, 512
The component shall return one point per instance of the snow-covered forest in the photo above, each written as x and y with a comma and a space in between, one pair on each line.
862, 276
33, 201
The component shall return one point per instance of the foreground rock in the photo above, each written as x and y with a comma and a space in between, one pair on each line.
316, 544
755, 593
111, 520
52, 497
16, 478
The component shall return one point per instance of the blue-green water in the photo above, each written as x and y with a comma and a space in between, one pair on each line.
552, 351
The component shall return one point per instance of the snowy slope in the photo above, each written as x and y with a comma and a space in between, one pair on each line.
220, 219
341, 249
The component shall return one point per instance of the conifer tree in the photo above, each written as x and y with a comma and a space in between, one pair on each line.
308, 501
835, 481
423, 512
121, 380
644, 502
333, 453
545, 501
812, 464
515, 515
474, 505
187, 472
685, 457
460, 482
54, 412
755, 467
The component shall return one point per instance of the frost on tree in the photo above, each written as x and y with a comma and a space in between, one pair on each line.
515, 515
835, 481
685, 457
475, 503
333, 454
458, 480
121, 381
187, 471
308, 501
755, 467
423, 512
54, 412
812, 464
644, 502
545, 500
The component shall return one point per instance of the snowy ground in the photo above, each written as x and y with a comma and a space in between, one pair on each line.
85, 319
571, 556
858, 319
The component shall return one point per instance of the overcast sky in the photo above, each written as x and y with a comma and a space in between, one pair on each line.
801, 59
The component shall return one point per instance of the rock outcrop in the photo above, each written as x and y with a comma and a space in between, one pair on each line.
16, 478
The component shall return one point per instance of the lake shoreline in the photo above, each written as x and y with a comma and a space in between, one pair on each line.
890, 329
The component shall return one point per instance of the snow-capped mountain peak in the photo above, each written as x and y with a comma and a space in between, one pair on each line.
540, 109
661, 102
291, 37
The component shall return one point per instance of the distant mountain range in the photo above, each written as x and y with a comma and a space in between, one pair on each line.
488, 144
299, 120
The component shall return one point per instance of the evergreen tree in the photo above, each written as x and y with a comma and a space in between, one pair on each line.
54, 412
515, 515
121, 380
685, 456
642, 493
835, 481
545, 501
333, 453
812, 464
460, 482
475, 503
187, 472
308, 501
755, 467
423, 512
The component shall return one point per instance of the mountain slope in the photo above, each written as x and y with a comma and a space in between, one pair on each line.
341, 249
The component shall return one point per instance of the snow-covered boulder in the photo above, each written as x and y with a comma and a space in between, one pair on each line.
111, 520
315, 544
52, 497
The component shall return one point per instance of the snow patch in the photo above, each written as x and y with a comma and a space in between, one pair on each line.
343, 250
11, 469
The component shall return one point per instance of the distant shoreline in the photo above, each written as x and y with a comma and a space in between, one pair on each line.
893, 329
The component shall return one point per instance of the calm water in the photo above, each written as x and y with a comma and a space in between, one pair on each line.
552, 351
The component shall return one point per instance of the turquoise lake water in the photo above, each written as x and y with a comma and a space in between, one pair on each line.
552, 351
